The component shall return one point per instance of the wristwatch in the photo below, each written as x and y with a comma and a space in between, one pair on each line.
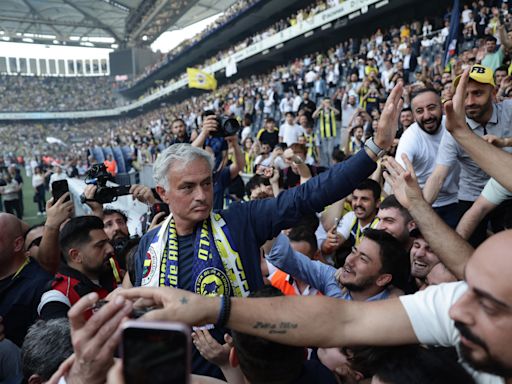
378, 151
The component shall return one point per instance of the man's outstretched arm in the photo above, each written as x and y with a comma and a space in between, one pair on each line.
288, 320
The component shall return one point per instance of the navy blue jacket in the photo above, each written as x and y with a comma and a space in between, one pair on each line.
253, 223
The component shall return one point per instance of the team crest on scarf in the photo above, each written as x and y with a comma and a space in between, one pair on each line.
149, 267
217, 266
212, 282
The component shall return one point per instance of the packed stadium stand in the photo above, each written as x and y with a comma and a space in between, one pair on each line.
340, 52
352, 151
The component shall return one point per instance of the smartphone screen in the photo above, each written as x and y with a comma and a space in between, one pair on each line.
156, 353
160, 207
59, 188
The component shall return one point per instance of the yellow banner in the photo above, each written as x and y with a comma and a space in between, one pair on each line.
201, 79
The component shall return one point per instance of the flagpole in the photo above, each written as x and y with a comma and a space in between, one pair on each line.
450, 47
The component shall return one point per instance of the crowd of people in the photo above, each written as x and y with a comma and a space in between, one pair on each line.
52, 94
233, 11
371, 178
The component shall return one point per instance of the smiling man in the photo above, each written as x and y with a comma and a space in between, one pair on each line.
484, 117
365, 204
421, 144
474, 316
369, 273
423, 258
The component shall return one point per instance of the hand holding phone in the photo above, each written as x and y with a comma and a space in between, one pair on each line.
156, 352
59, 188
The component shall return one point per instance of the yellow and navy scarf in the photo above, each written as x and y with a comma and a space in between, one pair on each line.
217, 268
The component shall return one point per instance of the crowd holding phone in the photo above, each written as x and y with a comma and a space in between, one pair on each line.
155, 352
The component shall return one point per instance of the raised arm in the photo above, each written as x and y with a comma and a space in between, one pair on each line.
209, 125
494, 161
58, 212
473, 216
315, 273
435, 182
239, 164
452, 250
273, 215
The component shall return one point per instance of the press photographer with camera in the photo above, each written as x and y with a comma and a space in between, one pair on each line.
97, 193
115, 221
215, 133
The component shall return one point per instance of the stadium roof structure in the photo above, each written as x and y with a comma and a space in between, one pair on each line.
100, 23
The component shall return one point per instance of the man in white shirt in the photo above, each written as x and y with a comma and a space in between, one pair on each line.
420, 142
286, 104
57, 174
289, 132
474, 315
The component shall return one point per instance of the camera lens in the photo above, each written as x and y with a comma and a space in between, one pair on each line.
231, 127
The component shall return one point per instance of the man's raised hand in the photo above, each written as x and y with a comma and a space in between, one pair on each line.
404, 183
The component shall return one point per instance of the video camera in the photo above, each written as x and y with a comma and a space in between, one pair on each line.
99, 176
227, 125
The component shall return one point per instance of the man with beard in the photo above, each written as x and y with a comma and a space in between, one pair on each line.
349, 232
87, 252
421, 144
406, 119
368, 274
179, 132
484, 117
396, 220
474, 315
423, 258
116, 224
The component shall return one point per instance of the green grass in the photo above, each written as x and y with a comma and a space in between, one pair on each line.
30, 208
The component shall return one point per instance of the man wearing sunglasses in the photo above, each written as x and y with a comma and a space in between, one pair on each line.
33, 238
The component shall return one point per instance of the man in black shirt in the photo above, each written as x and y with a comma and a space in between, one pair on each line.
22, 280
269, 134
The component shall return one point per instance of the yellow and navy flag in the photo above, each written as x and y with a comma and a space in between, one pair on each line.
200, 79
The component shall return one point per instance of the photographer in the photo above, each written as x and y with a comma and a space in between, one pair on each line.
116, 221
226, 173
116, 225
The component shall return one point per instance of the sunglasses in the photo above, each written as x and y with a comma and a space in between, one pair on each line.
35, 242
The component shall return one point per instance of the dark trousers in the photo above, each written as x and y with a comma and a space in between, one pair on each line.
40, 198
13, 207
500, 218
449, 213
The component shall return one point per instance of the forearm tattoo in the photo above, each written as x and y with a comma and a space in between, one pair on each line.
283, 327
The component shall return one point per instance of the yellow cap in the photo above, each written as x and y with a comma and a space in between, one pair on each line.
480, 74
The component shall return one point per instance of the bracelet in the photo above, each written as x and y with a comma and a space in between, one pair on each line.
225, 311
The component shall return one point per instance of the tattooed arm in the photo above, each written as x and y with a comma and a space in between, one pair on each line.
302, 321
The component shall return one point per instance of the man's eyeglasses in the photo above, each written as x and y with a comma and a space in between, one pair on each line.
35, 242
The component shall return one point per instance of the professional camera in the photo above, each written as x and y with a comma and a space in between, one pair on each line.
99, 176
227, 125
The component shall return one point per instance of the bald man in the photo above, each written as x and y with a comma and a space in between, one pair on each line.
22, 280
474, 315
